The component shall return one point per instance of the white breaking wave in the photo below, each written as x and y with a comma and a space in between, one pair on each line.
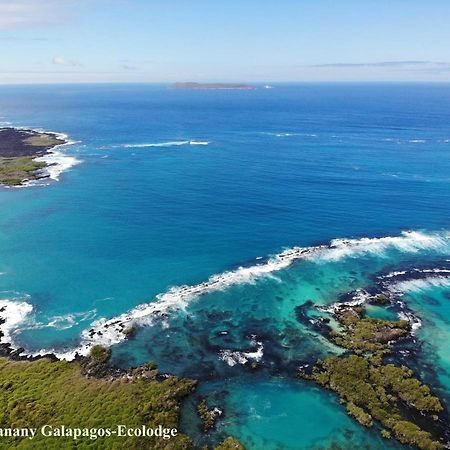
157, 144
359, 298
404, 272
407, 242
420, 284
63, 322
289, 134
167, 144
394, 274
13, 313
199, 142
111, 331
57, 161
232, 357
414, 322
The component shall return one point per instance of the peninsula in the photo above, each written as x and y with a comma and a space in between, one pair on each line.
213, 86
19, 150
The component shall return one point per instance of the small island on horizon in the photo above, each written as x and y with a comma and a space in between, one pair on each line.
21, 153
213, 86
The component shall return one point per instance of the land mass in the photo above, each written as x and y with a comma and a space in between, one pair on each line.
377, 392
19, 149
88, 394
213, 86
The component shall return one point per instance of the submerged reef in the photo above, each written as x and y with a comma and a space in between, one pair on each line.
19, 150
376, 392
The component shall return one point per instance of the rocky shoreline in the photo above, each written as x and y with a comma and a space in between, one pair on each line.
28, 155
371, 378
96, 366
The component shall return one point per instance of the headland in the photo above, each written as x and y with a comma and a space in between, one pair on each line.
22, 154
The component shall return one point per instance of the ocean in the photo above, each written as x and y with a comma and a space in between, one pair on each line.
207, 218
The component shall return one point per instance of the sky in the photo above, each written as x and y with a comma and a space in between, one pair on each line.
67, 41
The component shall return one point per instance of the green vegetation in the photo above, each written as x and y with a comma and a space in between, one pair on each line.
207, 415
359, 414
56, 393
13, 171
372, 390
230, 444
43, 140
100, 353
366, 334
18, 150
386, 434
381, 299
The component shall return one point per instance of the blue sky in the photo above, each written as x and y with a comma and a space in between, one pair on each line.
44, 41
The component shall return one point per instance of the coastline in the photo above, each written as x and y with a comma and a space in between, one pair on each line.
112, 331
385, 293
391, 396
29, 156
92, 385
121, 386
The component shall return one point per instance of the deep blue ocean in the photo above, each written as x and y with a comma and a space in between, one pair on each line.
175, 187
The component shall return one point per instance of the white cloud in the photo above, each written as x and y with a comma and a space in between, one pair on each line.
65, 62
24, 13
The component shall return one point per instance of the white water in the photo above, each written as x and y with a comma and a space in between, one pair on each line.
167, 144
57, 161
111, 331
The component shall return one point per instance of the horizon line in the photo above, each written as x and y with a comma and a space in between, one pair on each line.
257, 83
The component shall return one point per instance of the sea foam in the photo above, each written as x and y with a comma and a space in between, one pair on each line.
13, 314
57, 161
167, 144
233, 357
112, 331
420, 284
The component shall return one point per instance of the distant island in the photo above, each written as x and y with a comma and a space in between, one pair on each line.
19, 150
213, 86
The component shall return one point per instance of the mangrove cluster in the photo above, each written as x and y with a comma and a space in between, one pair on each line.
89, 394
373, 391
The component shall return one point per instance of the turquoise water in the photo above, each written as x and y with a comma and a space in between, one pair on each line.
148, 209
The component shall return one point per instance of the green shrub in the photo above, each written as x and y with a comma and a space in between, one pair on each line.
100, 353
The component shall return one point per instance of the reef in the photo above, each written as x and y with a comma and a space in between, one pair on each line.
20, 150
377, 392
230, 444
208, 415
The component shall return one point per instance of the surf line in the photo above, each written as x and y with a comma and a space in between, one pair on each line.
112, 331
